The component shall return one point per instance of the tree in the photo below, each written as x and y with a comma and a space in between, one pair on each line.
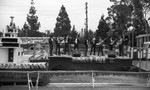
32, 18
145, 9
103, 28
91, 34
62, 26
134, 13
30, 29
139, 17
25, 30
21, 33
120, 13
73, 32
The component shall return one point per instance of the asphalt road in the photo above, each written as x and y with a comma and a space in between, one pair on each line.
75, 87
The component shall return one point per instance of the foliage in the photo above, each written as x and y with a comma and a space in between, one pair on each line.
138, 21
25, 31
141, 9
91, 34
120, 13
32, 19
130, 13
103, 28
62, 27
145, 10
73, 32
30, 29
21, 33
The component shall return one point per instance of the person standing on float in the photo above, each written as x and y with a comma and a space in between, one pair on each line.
57, 45
121, 45
68, 39
76, 43
66, 44
111, 44
86, 46
51, 45
100, 46
93, 46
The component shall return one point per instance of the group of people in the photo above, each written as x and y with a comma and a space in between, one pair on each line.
95, 45
58, 40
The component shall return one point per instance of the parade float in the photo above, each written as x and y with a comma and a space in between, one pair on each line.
15, 67
77, 61
103, 63
12, 61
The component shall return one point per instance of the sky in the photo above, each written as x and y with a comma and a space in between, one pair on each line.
48, 10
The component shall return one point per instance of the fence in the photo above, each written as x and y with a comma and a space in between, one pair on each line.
83, 77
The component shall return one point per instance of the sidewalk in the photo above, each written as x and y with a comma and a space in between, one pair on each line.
75, 87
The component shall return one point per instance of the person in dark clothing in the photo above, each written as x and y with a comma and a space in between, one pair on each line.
93, 46
69, 45
121, 45
100, 47
111, 44
67, 41
86, 46
51, 45
76, 43
66, 45
57, 45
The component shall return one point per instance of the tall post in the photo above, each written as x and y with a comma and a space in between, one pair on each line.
147, 50
86, 19
140, 56
146, 40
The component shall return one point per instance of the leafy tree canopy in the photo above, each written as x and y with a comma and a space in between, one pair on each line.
62, 26
103, 28
73, 32
30, 29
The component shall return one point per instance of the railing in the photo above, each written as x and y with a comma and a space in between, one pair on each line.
93, 78
16, 76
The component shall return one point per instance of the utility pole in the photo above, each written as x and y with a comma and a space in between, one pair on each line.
86, 19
